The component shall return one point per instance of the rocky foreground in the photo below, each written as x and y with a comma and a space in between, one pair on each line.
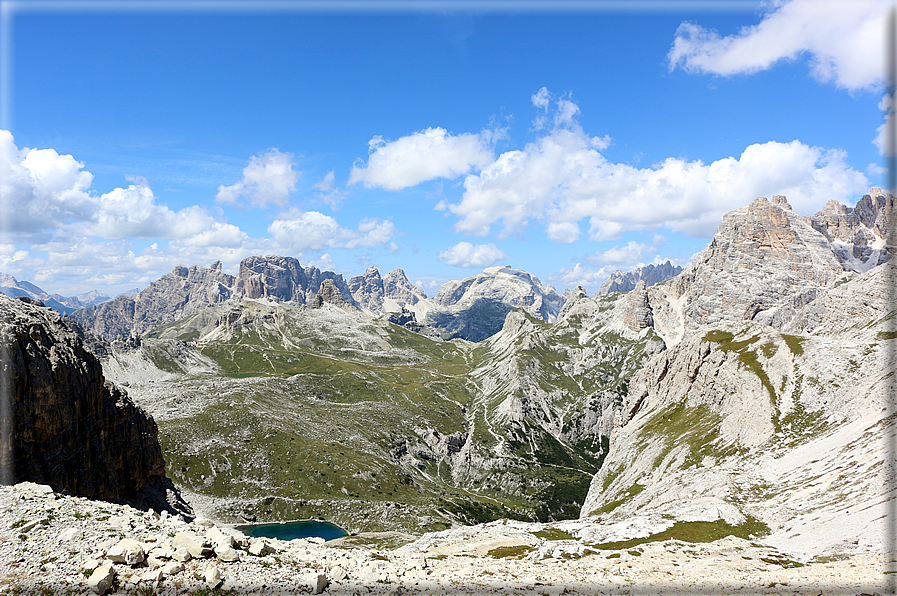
55, 544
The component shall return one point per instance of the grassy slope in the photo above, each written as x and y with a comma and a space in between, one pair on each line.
317, 407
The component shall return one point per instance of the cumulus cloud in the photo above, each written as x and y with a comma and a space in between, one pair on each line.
41, 191
843, 39
425, 155
886, 105
311, 230
76, 239
269, 179
467, 255
633, 252
562, 179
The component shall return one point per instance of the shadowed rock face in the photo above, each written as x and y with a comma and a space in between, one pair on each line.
60, 423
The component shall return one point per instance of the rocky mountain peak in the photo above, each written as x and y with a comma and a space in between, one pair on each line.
397, 287
764, 263
650, 274
368, 290
858, 234
513, 287
329, 293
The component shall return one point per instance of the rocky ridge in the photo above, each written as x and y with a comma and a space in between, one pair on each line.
65, 425
649, 274
188, 290
756, 422
764, 264
389, 294
13, 288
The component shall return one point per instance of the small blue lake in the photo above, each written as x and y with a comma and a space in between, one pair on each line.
293, 530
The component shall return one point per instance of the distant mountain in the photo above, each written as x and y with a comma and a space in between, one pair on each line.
650, 274
189, 290
388, 294
475, 308
10, 286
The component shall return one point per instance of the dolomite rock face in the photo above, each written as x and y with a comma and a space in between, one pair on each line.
65, 425
329, 293
639, 315
475, 308
858, 234
764, 264
284, 279
650, 274
741, 422
397, 287
367, 289
183, 292
391, 293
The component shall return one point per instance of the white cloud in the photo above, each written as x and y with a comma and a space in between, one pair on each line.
844, 39
325, 263
269, 179
886, 105
541, 98
562, 178
629, 254
465, 254
132, 212
326, 182
425, 155
310, 230
372, 232
41, 191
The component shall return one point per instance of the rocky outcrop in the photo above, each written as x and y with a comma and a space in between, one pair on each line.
764, 264
638, 315
650, 274
858, 234
329, 293
184, 291
63, 424
391, 293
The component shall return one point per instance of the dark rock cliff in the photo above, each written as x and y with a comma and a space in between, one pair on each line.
61, 423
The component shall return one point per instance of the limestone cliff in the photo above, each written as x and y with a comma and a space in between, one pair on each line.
649, 274
62, 424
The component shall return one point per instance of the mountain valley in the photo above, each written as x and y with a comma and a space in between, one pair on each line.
747, 395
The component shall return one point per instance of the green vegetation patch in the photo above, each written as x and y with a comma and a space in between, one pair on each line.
511, 552
697, 531
794, 343
883, 335
553, 534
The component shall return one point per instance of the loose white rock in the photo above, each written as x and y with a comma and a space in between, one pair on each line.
101, 579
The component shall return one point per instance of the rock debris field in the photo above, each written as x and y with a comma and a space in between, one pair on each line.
55, 544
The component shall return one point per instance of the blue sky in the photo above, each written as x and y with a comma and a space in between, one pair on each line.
439, 138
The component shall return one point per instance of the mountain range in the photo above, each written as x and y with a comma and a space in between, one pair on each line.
63, 304
745, 395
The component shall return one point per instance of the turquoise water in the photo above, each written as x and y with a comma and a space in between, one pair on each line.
293, 530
